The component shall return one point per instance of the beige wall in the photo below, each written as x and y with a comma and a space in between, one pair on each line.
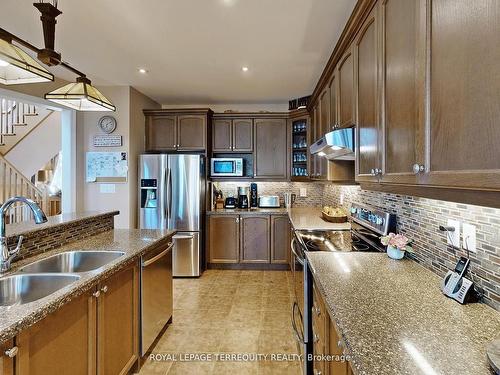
130, 125
138, 102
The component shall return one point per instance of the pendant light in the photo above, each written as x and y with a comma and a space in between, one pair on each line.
17, 67
81, 96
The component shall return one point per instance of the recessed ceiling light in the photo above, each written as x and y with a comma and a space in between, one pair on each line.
244, 68
142, 71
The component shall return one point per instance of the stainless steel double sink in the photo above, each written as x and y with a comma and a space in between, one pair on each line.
46, 276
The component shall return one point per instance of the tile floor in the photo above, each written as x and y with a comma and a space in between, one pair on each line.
227, 311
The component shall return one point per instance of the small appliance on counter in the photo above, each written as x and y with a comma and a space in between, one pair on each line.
230, 202
269, 201
289, 199
243, 197
253, 196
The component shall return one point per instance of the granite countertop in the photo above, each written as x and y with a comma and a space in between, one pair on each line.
239, 211
27, 227
133, 242
394, 319
309, 218
493, 352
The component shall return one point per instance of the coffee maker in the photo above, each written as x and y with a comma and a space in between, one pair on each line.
243, 197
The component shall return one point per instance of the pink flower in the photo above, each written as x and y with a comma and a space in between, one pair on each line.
396, 240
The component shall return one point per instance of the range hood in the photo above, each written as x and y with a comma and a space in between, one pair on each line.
335, 145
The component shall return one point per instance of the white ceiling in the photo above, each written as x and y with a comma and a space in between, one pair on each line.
193, 49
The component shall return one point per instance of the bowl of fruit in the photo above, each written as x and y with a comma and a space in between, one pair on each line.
334, 214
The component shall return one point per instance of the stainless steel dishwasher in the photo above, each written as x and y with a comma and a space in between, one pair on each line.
156, 295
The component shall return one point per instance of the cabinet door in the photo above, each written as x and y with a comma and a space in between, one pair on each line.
243, 135
224, 238
336, 367
62, 343
346, 89
464, 126
315, 131
280, 239
255, 239
192, 131
6, 363
366, 92
222, 135
324, 102
332, 86
271, 152
403, 72
118, 322
161, 133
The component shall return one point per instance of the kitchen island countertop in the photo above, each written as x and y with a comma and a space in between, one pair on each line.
394, 319
133, 242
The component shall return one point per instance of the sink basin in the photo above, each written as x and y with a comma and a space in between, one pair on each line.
73, 262
20, 289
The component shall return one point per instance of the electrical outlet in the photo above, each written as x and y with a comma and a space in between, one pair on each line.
469, 237
303, 192
453, 238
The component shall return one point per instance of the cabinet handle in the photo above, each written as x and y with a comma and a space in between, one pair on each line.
237, 219
316, 310
339, 343
317, 372
96, 294
315, 337
104, 289
418, 168
12, 352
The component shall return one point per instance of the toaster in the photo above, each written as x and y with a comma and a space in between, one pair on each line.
269, 201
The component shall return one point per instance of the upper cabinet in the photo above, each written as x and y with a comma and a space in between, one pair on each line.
403, 89
177, 130
368, 132
345, 72
271, 154
232, 135
332, 88
464, 126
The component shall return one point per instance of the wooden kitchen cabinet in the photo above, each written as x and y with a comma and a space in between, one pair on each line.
332, 88
345, 72
118, 318
255, 239
324, 105
464, 127
7, 362
280, 239
161, 133
62, 343
403, 83
271, 149
367, 130
192, 130
177, 130
224, 238
234, 135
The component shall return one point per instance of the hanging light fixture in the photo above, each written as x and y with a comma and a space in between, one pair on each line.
81, 96
17, 67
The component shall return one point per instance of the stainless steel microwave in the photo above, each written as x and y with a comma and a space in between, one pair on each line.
226, 167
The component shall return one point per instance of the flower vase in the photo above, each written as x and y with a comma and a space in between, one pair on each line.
395, 253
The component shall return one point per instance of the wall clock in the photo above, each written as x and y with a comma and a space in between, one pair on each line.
107, 124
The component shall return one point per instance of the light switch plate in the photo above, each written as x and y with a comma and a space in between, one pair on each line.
107, 188
469, 237
303, 192
453, 238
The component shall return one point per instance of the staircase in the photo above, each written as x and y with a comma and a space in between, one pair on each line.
15, 115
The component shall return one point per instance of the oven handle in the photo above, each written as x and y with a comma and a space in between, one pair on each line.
292, 245
294, 325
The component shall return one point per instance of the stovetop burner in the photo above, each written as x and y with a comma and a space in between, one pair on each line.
343, 241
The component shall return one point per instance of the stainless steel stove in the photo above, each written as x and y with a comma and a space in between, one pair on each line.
367, 225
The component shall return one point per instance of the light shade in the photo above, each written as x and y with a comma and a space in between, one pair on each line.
17, 67
81, 96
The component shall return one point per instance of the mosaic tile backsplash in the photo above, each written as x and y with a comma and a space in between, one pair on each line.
419, 219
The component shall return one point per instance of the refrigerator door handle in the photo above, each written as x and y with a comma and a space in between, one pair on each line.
169, 193
182, 237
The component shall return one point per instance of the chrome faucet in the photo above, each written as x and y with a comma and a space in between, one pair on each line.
6, 255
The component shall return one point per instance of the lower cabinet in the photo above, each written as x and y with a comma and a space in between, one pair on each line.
326, 341
7, 359
95, 333
250, 238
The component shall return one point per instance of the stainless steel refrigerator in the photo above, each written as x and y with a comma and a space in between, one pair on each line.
172, 191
